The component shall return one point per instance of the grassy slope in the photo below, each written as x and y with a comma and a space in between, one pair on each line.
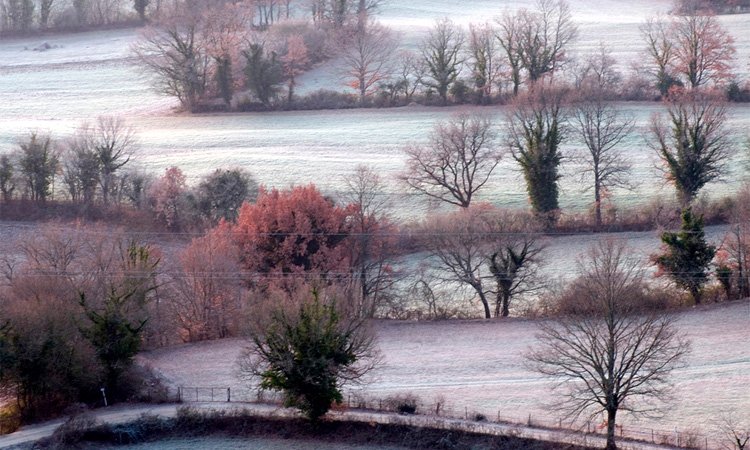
479, 366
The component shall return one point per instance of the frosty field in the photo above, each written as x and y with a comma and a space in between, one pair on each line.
90, 74
479, 366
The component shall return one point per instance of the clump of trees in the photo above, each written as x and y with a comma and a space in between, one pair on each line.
691, 50
27, 16
75, 311
493, 254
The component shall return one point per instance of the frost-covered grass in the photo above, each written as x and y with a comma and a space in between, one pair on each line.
479, 366
89, 74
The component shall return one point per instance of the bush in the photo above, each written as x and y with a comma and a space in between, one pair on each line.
402, 403
72, 430
326, 99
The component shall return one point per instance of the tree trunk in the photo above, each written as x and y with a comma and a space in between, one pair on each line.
485, 304
611, 429
598, 205
695, 292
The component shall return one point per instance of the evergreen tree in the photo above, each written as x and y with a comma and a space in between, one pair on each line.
308, 356
688, 255
263, 74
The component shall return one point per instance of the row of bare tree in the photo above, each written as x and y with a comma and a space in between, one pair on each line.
462, 153
188, 49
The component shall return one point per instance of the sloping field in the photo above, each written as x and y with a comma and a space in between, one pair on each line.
89, 74
478, 366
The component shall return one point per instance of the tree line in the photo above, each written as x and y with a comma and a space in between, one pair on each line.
224, 53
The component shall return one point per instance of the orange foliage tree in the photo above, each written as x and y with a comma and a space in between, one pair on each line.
297, 232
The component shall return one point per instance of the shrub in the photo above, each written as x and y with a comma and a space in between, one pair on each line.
402, 403
326, 99
72, 430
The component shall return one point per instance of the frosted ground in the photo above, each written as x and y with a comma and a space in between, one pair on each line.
90, 74
479, 366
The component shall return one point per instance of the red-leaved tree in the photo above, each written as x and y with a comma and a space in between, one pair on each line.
293, 233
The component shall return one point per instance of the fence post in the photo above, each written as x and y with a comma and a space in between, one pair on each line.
229, 394
196, 394
652, 436
212, 394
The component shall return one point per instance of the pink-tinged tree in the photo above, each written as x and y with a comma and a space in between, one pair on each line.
703, 50
368, 58
166, 197
293, 62
690, 50
207, 292
297, 232
373, 242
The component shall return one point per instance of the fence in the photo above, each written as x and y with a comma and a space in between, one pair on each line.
677, 438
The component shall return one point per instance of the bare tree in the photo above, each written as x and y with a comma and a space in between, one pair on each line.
368, 59
602, 128
544, 36
458, 161
735, 430
509, 30
459, 243
373, 239
172, 50
514, 265
703, 49
485, 61
410, 76
598, 74
607, 354
694, 146
660, 49
441, 53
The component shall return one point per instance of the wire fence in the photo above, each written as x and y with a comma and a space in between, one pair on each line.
410, 405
